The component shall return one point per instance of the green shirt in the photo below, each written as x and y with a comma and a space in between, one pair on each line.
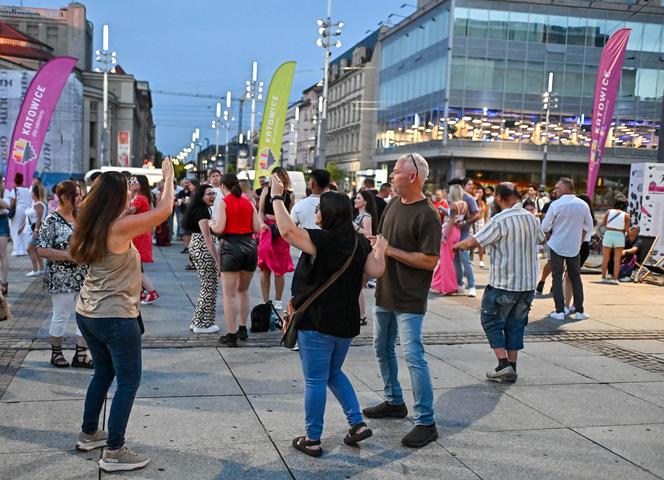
411, 227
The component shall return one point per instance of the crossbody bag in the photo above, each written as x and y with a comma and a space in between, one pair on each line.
289, 330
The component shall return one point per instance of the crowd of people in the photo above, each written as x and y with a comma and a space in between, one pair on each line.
398, 239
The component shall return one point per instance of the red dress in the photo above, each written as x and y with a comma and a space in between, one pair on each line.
143, 243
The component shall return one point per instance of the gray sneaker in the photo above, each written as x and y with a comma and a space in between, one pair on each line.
122, 459
87, 442
506, 375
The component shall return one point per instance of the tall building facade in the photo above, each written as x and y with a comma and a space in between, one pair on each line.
30, 36
462, 82
307, 127
351, 112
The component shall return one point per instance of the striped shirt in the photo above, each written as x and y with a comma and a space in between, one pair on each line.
512, 236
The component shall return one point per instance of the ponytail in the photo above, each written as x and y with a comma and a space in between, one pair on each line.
231, 182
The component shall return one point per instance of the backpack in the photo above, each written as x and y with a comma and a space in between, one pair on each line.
260, 317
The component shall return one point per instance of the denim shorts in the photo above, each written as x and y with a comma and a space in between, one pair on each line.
613, 239
4, 226
505, 316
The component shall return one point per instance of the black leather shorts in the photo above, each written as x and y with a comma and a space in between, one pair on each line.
238, 252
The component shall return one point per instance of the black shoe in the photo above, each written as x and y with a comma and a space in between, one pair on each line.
184, 250
242, 333
540, 288
228, 340
385, 410
420, 436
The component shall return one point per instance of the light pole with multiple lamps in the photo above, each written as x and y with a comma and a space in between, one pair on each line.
547, 103
253, 92
327, 30
108, 59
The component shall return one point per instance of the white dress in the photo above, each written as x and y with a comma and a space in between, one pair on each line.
23, 202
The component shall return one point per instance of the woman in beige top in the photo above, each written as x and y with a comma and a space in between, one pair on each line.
107, 308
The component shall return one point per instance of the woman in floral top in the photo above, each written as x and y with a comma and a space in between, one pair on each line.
63, 277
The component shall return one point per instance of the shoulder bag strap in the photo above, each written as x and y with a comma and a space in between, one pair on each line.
614, 216
329, 282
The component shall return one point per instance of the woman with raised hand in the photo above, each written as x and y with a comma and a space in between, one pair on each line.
236, 220
326, 329
205, 258
273, 252
64, 277
107, 308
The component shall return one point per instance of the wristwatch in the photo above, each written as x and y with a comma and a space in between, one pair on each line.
277, 197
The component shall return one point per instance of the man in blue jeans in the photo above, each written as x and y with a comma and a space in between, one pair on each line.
512, 235
412, 228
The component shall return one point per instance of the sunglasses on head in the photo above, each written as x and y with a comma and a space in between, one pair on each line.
417, 170
133, 181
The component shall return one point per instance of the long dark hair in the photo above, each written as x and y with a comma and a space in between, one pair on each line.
105, 202
336, 211
231, 182
145, 187
195, 206
370, 208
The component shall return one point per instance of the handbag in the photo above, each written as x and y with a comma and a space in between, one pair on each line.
289, 329
12, 206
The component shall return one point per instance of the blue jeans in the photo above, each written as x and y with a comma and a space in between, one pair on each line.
322, 357
409, 327
463, 266
115, 346
505, 316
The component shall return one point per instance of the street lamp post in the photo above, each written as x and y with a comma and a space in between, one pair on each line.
546, 104
108, 59
326, 34
254, 91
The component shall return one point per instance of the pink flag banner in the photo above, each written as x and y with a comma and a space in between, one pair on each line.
34, 117
606, 90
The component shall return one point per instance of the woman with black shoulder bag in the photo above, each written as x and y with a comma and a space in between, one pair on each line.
327, 324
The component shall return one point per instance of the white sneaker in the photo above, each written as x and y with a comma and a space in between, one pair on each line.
278, 306
557, 315
481, 264
604, 280
570, 310
626, 279
472, 292
613, 281
33, 273
210, 329
460, 291
581, 316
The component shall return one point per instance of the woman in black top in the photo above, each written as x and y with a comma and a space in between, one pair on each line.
326, 329
205, 258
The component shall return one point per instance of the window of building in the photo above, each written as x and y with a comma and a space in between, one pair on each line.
32, 30
52, 35
93, 134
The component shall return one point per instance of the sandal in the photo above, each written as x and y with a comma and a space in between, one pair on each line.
4, 287
81, 360
301, 444
57, 358
352, 438
363, 321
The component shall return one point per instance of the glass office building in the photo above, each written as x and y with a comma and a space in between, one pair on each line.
491, 60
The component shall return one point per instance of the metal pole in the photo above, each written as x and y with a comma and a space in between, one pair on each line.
660, 145
547, 103
104, 151
322, 124
450, 41
239, 122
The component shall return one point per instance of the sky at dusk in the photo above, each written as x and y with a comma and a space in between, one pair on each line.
207, 46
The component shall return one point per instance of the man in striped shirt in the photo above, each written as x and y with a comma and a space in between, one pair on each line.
512, 236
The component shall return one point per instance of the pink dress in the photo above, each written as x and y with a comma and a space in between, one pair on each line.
274, 253
444, 278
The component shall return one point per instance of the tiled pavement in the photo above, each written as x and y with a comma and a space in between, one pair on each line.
588, 402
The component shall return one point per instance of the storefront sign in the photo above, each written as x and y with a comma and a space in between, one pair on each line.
124, 148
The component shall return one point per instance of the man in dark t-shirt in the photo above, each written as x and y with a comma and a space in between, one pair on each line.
412, 228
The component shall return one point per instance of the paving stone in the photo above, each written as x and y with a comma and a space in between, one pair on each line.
587, 405
378, 458
39, 426
652, 392
49, 465
643, 346
257, 460
188, 421
483, 408
476, 360
608, 370
538, 454
641, 444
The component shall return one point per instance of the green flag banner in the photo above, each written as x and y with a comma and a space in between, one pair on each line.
274, 119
